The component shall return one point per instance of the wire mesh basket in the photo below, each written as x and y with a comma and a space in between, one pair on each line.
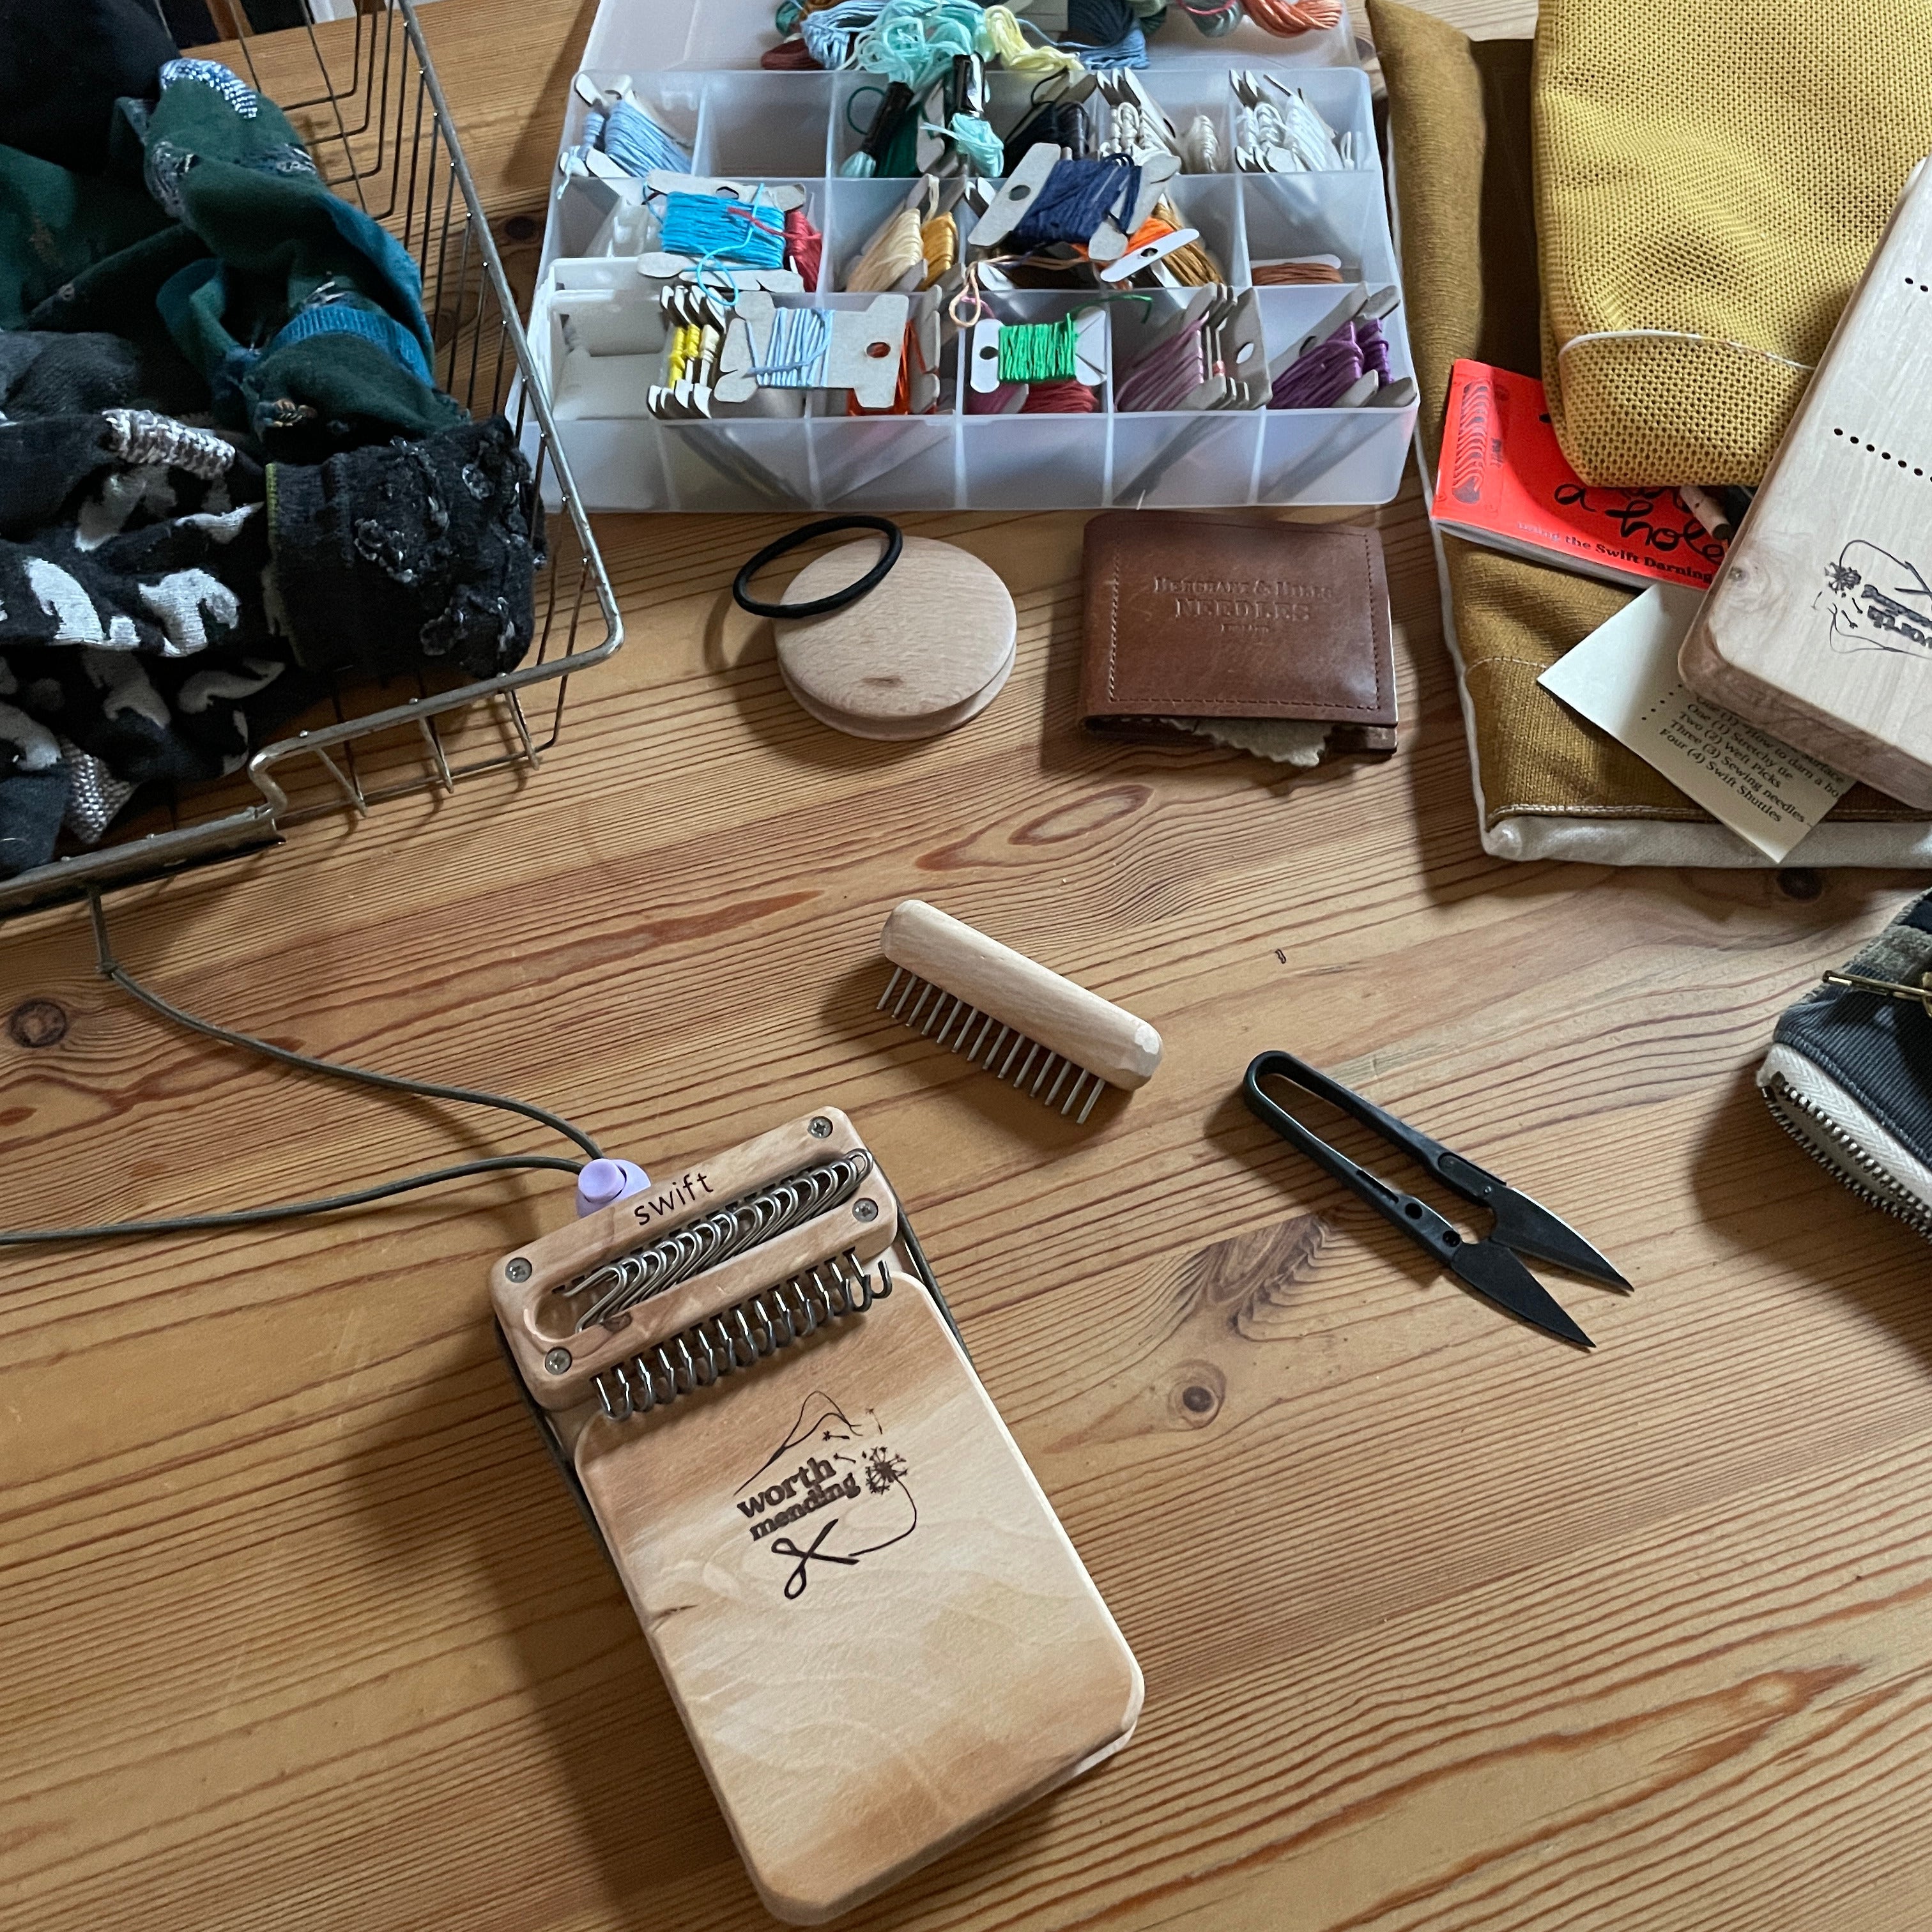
363, 93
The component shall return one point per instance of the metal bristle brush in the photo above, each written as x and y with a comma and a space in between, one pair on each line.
1052, 1040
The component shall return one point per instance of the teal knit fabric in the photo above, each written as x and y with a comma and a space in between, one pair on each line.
229, 166
210, 236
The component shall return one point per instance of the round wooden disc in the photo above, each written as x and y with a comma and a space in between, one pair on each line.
922, 653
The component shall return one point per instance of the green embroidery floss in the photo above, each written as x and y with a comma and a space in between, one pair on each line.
1037, 351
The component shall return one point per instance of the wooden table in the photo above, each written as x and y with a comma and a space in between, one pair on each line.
1444, 1625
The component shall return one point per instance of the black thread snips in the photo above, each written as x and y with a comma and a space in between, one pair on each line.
1489, 1266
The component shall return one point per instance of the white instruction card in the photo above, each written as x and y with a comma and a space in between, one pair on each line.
1623, 676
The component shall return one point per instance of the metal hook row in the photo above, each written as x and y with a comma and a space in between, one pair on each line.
742, 1337
1022, 1056
715, 1238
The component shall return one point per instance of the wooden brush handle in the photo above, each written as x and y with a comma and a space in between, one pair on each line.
1091, 1032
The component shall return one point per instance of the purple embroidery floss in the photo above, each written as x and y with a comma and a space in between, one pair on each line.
1373, 344
1318, 378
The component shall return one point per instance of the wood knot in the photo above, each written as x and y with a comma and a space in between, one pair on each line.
1196, 1393
37, 1023
1800, 882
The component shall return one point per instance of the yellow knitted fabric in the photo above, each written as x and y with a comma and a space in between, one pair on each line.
1711, 177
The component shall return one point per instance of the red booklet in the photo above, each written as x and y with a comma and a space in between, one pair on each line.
1504, 482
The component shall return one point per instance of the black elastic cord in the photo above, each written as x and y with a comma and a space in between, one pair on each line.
245, 1217
819, 606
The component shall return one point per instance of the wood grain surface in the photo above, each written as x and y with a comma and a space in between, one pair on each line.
931, 646
1444, 1627
925, 1655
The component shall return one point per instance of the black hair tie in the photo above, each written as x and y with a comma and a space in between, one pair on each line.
819, 606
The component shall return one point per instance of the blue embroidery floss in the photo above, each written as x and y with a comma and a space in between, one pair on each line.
795, 355
634, 141
1078, 195
1131, 51
710, 229
832, 33
975, 140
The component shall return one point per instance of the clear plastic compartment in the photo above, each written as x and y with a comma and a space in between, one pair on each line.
855, 100
1340, 95
1287, 215
675, 101
1033, 462
597, 335
1180, 94
855, 212
1212, 203
769, 125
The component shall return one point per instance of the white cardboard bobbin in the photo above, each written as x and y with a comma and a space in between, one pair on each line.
918, 656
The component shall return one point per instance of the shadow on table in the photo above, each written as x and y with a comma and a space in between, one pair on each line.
1758, 1188
637, 1826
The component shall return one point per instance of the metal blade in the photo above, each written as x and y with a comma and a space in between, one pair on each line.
1531, 1229
1493, 1271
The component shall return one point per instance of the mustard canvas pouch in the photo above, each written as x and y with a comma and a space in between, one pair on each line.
1548, 784
1710, 178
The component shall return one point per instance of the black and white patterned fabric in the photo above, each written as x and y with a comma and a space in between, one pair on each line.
154, 628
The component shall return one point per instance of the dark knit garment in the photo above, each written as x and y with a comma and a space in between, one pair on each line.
45, 374
117, 295
306, 317
56, 225
132, 550
33, 793
415, 550
209, 240
63, 65
144, 639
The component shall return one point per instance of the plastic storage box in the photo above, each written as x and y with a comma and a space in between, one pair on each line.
596, 332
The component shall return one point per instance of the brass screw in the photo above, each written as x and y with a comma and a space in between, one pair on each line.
557, 1360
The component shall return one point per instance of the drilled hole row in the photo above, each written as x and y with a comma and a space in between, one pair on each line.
1883, 455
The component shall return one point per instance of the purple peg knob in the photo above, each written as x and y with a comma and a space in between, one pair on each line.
601, 1182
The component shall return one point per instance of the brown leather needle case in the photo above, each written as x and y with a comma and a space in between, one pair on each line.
1200, 617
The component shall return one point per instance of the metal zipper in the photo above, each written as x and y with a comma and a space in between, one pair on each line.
1895, 1202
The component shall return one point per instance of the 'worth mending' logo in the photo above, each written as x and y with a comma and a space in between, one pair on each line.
1878, 602
848, 1487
